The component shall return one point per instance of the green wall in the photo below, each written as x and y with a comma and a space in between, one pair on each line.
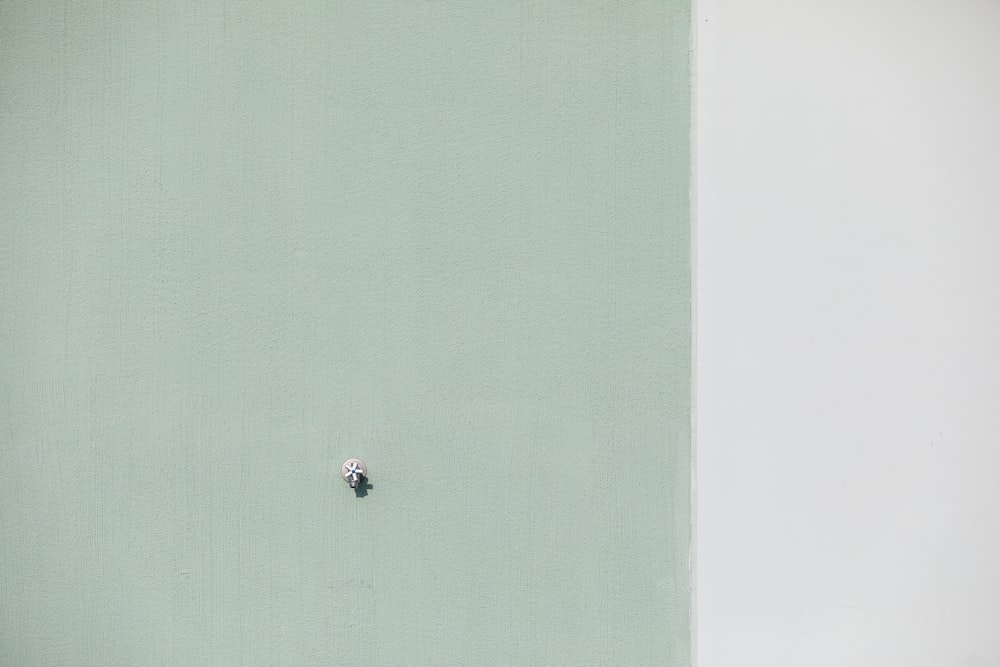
241, 242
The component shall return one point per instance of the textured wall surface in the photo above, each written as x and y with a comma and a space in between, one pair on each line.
242, 241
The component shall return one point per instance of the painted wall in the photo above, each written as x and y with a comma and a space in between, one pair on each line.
848, 296
241, 242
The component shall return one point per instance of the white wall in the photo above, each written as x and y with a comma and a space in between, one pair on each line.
848, 314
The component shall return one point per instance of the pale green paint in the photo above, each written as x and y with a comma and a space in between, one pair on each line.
243, 241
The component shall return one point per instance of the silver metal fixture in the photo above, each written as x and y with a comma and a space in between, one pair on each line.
353, 471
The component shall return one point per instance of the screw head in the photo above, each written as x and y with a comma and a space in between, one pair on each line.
353, 471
